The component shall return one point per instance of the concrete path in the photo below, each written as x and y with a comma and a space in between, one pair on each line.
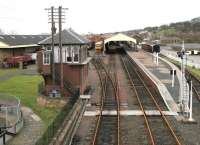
32, 130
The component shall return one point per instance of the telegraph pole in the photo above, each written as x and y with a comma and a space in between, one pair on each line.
51, 15
60, 46
53, 31
60, 21
57, 16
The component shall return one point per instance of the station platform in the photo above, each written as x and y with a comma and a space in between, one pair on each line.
160, 75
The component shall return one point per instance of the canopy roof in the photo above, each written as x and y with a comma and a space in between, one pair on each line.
120, 37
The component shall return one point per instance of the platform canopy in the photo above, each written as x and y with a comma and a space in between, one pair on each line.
120, 37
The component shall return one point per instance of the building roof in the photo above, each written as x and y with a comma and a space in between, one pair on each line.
17, 40
120, 37
68, 37
169, 38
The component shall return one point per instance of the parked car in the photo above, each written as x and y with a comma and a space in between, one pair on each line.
14, 61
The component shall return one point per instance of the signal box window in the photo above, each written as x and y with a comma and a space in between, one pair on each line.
47, 58
76, 55
69, 54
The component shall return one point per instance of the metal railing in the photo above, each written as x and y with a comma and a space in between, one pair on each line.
11, 117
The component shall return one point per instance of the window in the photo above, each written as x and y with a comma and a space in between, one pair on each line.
47, 58
76, 54
47, 55
69, 54
48, 48
56, 55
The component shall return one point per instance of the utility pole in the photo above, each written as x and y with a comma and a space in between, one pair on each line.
57, 16
53, 31
60, 21
51, 14
60, 46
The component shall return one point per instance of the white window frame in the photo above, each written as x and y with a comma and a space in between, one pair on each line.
47, 60
73, 54
56, 55
47, 57
67, 54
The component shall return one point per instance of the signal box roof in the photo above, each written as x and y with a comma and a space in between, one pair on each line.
68, 37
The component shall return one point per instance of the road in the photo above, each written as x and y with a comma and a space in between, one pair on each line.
191, 59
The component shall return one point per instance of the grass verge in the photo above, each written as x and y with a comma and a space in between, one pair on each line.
194, 71
26, 89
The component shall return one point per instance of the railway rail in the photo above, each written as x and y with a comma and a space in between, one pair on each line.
159, 129
107, 129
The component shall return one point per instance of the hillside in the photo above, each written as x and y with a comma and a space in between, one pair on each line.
187, 30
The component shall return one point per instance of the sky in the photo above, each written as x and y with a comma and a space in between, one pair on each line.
94, 16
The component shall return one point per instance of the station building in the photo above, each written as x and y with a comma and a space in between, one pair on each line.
116, 42
18, 45
74, 60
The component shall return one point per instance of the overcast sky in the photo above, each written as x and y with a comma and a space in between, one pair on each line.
95, 16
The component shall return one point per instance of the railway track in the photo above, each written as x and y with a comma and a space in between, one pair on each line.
107, 129
159, 128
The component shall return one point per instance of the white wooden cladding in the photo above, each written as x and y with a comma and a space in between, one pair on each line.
70, 54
